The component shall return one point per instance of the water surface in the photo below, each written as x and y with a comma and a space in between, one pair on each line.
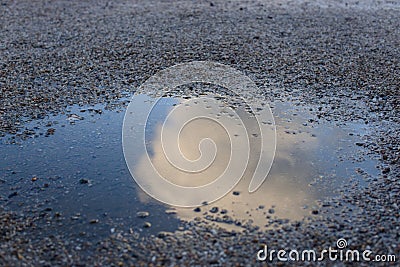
80, 171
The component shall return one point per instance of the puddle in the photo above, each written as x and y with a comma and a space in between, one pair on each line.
313, 162
79, 170
80, 173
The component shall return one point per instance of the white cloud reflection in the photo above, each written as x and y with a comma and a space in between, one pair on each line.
286, 188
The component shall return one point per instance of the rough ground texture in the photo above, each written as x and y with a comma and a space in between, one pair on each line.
341, 55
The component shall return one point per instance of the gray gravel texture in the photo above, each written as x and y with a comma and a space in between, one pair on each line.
340, 55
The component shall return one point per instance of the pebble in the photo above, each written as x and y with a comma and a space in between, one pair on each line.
50, 131
385, 170
13, 194
74, 117
271, 211
214, 210
170, 211
83, 181
142, 214
163, 234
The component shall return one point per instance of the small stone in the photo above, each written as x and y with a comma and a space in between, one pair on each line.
163, 234
143, 214
213, 262
94, 221
34, 179
13, 194
236, 193
314, 212
197, 209
271, 211
170, 211
20, 257
83, 181
50, 131
74, 117
147, 225
214, 210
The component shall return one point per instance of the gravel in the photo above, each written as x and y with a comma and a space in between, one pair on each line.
342, 56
